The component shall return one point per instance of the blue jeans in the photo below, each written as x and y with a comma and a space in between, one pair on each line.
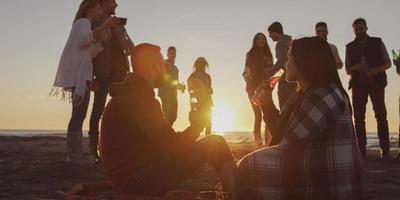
74, 135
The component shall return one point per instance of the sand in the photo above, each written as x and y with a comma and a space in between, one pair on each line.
34, 168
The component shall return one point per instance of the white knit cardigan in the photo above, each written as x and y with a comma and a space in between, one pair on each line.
75, 67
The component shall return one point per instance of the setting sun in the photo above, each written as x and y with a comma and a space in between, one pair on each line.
223, 119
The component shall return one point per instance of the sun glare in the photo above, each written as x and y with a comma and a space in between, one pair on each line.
222, 119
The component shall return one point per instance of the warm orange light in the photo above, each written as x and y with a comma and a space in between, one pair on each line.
222, 119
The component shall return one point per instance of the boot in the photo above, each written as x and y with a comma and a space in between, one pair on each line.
93, 144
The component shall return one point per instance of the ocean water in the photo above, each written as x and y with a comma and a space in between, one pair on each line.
237, 137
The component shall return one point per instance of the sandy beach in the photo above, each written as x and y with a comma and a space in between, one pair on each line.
34, 168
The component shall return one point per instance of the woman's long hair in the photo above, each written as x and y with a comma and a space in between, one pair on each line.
256, 50
198, 66
84, 8
315, 62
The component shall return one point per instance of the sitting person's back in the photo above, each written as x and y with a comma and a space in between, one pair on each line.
141, 153
126, 145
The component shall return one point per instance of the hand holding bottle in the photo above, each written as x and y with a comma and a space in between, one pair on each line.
263, 94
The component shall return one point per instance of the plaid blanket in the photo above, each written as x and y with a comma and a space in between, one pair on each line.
317, 158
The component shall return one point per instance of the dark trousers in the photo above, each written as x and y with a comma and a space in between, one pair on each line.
285, 91
100, 98
205, 115
258, 116
165, 174
169, 105
361, 91
208, 115
74, 135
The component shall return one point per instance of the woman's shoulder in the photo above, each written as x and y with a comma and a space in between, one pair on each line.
330, 94
82, 22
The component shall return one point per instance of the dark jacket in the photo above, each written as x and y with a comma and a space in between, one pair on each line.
111, 65
372, 52
134, 131
256, 63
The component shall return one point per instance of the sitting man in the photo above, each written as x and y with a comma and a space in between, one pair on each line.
141, 153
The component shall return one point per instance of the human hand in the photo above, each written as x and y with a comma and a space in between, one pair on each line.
396, 62
76, 189
370, 72
94, 85
181, 87
111, 21
269, 71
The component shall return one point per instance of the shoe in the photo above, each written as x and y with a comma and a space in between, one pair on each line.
79, 159
72, 157
257, 145
384, 154
363, 151
94, 159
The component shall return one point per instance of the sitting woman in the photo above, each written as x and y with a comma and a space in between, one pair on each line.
316, 156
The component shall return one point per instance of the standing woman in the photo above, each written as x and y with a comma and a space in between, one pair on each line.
317, 155
258, 59
75, 70
200, 90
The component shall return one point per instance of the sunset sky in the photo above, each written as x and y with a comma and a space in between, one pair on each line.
33, 35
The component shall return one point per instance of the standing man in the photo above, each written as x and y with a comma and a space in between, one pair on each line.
321, 30
111, 65
366, 62
285, 89
168, 91
397, 63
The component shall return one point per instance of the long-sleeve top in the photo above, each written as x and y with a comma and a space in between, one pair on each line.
134, 131
171, 80
75, 67
256, 65
317, 157
281, 50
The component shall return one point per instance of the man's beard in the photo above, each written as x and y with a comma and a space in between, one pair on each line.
361, 36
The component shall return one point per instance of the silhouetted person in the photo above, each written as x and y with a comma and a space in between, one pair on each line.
200, 91
366, 62
75, 71
111, 65
321, 30
397, 63
258, 59
168, 90
316, 155
141, 153
285, 89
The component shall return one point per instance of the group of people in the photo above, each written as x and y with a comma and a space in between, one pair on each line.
366, 62
313, 151
199, 86
97, 55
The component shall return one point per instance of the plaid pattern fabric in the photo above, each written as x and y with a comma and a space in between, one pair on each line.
318, 157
